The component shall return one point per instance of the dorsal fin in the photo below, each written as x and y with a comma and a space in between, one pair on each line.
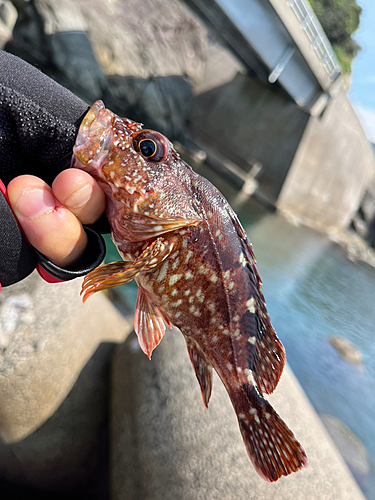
258, 348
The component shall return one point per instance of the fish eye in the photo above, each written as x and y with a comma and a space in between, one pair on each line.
152, 145
147, 147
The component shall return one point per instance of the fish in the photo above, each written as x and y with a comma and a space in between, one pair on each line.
195, 268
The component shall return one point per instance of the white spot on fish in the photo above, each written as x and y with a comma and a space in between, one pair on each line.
230, 367
213, 278
163, 271
158, 228
231, 285
218, 232
174, 292
226, 274
176, 304
187, 292
236, 318
211, 307
188, 275
250, 304
252, 340
174, 278
237, 333
176, 263
189, 254
250, 379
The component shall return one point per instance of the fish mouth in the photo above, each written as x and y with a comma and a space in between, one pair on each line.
95, 133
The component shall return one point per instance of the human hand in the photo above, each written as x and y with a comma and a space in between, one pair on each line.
52, 218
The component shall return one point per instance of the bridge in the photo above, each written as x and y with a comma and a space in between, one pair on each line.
296, 140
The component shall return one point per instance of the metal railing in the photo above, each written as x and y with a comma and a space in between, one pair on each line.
318, 39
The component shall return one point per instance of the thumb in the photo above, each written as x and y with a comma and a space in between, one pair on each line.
49, 227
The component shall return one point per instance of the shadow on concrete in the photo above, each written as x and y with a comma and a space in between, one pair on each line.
67, 457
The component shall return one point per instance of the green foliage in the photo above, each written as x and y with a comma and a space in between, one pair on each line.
340, 19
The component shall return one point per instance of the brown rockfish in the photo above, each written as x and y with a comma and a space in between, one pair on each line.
195, 269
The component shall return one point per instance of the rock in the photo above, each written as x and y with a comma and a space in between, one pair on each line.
346, 349
160, 103
349, 445
8, 17
141, 68
54, 364
165, 445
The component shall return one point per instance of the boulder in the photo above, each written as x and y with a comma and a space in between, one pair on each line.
349, 445
54, 365
346, 349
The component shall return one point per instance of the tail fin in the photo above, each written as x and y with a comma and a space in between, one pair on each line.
271, 445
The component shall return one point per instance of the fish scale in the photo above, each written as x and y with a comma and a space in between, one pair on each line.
195, 269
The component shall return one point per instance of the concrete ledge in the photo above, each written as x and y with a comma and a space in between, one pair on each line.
166, 446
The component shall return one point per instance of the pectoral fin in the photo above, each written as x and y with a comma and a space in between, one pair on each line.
119, 273
203, 372
142, 228
148, 323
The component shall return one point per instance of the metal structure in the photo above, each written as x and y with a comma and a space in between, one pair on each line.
280, 41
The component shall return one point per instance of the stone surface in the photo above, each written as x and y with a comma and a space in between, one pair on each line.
54, 360
346, 349
349, 445
166, 445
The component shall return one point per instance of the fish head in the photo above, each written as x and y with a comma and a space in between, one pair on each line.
138, 169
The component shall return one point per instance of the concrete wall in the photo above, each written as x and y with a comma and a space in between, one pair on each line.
332, 168
248, 123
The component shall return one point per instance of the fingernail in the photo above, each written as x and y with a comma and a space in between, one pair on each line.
34, 202
80, 197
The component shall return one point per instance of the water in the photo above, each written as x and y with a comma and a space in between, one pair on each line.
313, 291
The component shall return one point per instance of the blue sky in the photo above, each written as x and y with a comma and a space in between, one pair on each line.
362, 90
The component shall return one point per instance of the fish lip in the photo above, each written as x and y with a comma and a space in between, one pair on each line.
88, 120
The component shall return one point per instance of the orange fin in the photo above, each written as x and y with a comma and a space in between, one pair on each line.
140, 227
119, 273
203, 372
271, 445
148, 323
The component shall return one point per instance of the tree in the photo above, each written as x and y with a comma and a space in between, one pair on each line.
340, 19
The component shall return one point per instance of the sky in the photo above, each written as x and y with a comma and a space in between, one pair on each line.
362, 90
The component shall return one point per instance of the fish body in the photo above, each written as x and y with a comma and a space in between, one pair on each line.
195, 269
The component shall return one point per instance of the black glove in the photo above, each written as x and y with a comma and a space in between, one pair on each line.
39, 121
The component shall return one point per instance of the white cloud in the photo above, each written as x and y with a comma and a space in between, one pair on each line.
367, 118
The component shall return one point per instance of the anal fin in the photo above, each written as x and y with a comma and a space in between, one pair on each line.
203, 372
148, 323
